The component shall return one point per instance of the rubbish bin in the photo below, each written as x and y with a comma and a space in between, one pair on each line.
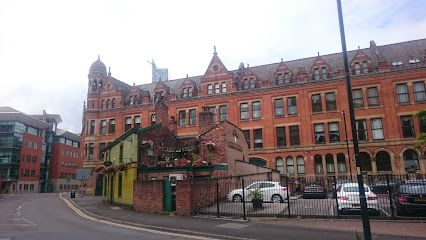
72, 194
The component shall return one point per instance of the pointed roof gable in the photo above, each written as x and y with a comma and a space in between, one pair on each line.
319, 61
216, 65
360, 55
283, 67
161, 86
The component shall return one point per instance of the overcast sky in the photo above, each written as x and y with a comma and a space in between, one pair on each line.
47, 47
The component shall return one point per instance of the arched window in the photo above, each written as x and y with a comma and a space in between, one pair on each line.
341, 163
365, 161
318, 164
300, 165
329, 162
411, 160
290, 165
279, 163
383, 161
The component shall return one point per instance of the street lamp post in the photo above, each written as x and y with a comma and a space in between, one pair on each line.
347, 144
363, 200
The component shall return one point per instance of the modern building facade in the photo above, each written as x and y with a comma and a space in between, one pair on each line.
26, 150
291, 111
66, 157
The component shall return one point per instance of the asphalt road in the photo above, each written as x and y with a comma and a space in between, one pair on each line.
46, 216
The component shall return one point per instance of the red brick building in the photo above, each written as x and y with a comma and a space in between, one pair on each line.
27, 143
67, 159
291, 112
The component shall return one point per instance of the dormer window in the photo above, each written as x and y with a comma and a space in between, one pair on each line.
413, 61
187, 92
324, 73
396, 63
113, 103
317, 74
246, 84
159, 96
365, 67
279, 79
252, 83
132, 100
357, 69
286, 77
224, 87
210, 89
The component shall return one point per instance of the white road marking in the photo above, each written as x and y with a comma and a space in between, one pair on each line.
143, 229
28, 221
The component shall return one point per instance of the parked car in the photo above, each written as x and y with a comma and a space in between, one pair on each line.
314, 191
271, 191
381, 187
410, 198
348, 199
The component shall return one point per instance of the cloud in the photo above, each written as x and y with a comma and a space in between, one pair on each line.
47, 46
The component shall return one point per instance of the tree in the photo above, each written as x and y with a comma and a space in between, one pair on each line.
421, 140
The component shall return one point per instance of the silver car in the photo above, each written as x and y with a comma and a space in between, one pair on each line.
271, 191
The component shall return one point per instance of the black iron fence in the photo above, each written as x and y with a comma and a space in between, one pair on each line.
388, 196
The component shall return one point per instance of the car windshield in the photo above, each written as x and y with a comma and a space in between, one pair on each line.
354, 189
413, 188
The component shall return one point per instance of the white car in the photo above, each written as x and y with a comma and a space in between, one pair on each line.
271, 191
348, 198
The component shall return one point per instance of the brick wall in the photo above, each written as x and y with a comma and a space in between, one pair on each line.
148, 196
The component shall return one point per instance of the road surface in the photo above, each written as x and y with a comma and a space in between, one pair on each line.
47, 216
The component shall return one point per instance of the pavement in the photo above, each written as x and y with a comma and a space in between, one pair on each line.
255, 228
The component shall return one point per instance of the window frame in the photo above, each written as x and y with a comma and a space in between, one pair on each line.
316, 103
256, 109
408, 131
111, 129
358, 101
402, 97
318, 134
182, 118
258, 138
279, 108
373, 100
330, 104
291, 106
280, 136
192, 117
244, 112
335, 132
375, 130
294, 133
223, 115
421, 92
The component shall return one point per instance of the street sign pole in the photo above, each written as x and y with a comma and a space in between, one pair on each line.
363, 200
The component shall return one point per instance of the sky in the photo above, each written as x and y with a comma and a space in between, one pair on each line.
47, 47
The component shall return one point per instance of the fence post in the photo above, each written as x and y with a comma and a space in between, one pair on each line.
244, 199
288, 198
217, 197
335, 195
390, 197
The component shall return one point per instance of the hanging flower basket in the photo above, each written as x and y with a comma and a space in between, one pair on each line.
147, 143
121, 167
210, 144
200, 163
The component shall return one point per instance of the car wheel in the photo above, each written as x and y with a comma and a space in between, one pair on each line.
237, 198
276, 198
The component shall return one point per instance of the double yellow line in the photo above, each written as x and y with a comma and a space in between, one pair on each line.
137, 228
